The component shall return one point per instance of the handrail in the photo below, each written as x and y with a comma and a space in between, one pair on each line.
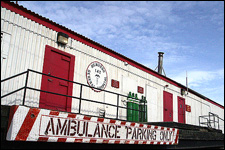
13, 76
79, 98
209, 122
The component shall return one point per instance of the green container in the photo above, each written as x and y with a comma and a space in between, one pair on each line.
143, 110
136, 111
129, 107
146, 111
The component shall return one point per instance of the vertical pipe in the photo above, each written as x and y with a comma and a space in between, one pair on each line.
25, 88
187, 81
160, 62
117, 110
80, 97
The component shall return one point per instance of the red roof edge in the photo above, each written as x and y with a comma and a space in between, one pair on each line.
59, 28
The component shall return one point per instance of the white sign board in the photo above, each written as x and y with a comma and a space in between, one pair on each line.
32, 124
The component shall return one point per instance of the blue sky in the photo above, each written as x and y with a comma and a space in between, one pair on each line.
190, 33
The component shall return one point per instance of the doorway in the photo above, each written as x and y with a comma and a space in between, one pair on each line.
181, 109
60, 64
167, 107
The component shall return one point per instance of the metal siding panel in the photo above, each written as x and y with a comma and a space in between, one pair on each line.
6, 17
11, 65
32, 64
3, 11
151, 96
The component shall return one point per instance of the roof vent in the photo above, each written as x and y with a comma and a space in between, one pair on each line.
160, 64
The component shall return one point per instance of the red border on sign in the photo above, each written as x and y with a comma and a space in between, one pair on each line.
110, 122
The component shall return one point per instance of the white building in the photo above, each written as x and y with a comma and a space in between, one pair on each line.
30, 41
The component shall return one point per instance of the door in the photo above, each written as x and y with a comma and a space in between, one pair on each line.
181, 109
60, 64
152, 97
167, 107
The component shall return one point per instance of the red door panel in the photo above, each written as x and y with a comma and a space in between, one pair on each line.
181, 109
60, 64
167, 107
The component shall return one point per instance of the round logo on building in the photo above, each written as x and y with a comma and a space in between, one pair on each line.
97, 76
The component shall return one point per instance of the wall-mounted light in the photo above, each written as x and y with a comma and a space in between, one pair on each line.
125, 63
182, 91
166, 86
62, 38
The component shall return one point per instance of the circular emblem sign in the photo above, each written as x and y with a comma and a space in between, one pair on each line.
97, 76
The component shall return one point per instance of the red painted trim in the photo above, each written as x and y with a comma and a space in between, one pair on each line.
212, 102
27, 124
58, 28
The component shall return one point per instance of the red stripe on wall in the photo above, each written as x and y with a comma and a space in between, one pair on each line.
27, 124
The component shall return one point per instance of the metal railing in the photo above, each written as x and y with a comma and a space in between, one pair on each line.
80, 98
212, 120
